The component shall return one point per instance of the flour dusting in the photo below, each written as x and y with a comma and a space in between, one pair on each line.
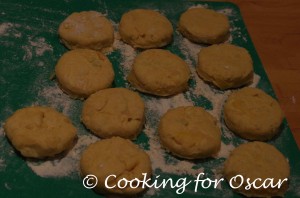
35, 47
157, 156
128, 54
65, 166
56, 98
4, 27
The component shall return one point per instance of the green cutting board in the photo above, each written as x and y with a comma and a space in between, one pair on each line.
29, 50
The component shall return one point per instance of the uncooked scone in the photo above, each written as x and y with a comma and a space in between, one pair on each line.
87, 29
252, 114
115, 156
39, 132
201, 25
225, 65
190, 132
159, 72
257, 160
82, 72
114, 112
142, 28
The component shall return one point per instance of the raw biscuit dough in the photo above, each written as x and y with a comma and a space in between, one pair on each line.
225, 65
82, 72
115, 156
190, 132
201, 25
252, 114
142, 28
257, 160
40, 132
114, 112
87, 29
159, 72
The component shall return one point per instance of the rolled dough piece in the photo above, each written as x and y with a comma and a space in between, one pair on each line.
159, 72
225, 65
82, 72
190, 132
87, 29
201, 25
119, 157
114, 112
143, 28
252, 114
257, 160
39, 132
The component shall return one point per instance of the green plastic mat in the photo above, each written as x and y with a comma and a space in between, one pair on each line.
29, 50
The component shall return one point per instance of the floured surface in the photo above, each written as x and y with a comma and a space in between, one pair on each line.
29, 50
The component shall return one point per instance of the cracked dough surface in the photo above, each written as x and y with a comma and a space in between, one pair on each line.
87, 29
252, 114
257, 160
201, 25
82, 72
119, 157
142, 28
190, 132
225, 65
40, 132
159, 72
114, 112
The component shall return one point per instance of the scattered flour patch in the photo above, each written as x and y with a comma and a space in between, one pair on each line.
128, 54
2, 164
4, 27
1, 130
41, 46
161, 105
225, 150
37, 47
199, 6
227, 11
65, 166
56, 98
158, 160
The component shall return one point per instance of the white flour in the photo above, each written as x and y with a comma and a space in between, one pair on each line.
56, 98
4, 27
65, 166
1, 129
35, 47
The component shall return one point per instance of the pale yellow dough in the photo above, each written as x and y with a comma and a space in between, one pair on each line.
252, 114
114, 112
257, 160
87, 29
159, 72
190, 132
82, 72
201, 25
225, 65
115, 156
142, 28
39, 132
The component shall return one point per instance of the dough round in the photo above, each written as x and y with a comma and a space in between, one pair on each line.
252, 114
225, 65
202, 25
82, 72
145, 29
159, 72
40, 132
257, 160
115, 156
87, 29
190, 132
114, 112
